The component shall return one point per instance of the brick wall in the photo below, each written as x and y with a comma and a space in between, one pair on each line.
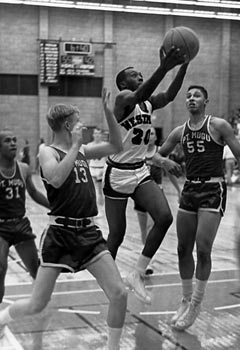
136, 38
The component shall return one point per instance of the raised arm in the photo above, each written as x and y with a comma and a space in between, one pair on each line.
128, 98
114, 143
54, 170
35, 194
163, 98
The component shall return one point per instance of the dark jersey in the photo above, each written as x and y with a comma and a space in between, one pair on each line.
203, 155
12, 195
76, 198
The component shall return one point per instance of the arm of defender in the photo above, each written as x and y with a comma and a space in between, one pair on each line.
115, 140
54, 170
166, 148
36, 195
227, 133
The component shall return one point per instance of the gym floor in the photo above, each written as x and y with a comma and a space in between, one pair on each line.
77, 316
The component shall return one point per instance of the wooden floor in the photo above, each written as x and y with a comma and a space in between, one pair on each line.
76, 319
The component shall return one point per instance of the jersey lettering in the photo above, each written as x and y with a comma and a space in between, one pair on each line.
199, 147
137, 140
12, 192
81, 175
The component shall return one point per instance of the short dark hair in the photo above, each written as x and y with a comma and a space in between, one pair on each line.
201, 88
121, 76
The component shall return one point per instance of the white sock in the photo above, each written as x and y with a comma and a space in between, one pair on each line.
199, 291
5, 317
114, 335
142, 263
187, 289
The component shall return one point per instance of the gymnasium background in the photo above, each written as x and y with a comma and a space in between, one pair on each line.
55, 51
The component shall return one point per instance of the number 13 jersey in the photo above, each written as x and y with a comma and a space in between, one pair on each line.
76, 198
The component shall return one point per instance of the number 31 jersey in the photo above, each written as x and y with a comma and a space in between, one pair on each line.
135, 130
12, 195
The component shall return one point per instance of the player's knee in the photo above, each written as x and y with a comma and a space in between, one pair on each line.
183, 251
203, 256
37, 307
119, 294
164, 220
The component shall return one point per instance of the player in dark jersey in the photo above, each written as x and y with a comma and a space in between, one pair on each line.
15, 228
72, 241
126, 174
203, 198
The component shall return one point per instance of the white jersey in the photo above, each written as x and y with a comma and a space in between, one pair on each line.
135, 130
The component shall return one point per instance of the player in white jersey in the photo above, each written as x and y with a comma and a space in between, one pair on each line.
126, 174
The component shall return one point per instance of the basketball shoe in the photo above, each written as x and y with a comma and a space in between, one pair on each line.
180, 311
188, 318
135, 281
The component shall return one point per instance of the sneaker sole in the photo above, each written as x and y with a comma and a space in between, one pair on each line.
139, 296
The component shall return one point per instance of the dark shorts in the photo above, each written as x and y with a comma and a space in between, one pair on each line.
17, 231
71, 249
204, 196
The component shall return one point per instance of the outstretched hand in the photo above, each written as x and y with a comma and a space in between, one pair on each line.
77, 133
172, 167
106, 101
172, 58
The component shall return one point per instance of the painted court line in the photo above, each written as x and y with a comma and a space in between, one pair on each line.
157, 313
97, 290
82, 312
227, 307
15, 345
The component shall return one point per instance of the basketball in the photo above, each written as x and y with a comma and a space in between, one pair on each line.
183, 38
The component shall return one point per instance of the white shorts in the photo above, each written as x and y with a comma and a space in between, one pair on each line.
97, 173
121, 183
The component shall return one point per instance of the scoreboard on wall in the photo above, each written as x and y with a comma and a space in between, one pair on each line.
59, 58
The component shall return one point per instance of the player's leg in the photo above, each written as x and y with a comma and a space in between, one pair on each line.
145, 223
41, 295
153, 200
208, 223
27, 251
186, 233
150, 197
4, 250
109, 279
142, 216
116, 217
